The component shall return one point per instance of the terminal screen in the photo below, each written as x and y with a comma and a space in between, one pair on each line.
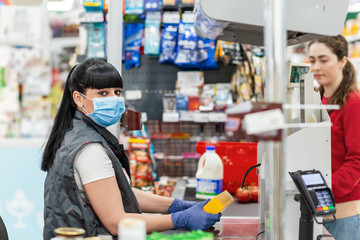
312, 179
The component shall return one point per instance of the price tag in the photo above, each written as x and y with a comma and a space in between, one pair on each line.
201, 117
188, 17
190, 79
217, 117
232, 124
171, 17
264, 121
170, 116
144, 117
91, 17
186, 116
133, 95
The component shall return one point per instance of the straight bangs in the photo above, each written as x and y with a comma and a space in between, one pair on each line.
101, 76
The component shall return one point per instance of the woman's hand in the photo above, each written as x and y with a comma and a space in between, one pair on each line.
180, 205
195, 218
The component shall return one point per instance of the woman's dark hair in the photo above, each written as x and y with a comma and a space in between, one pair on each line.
339, 47
91, 73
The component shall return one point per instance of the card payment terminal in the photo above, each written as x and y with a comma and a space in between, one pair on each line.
313, 188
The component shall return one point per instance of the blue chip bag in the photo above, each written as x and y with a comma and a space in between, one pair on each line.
132, 44
206, 51
168, 45
187, 54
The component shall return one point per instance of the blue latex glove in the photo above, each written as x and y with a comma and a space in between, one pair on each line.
180, 205
195, 218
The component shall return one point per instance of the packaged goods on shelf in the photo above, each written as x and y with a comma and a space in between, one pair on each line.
169, 37
65, 24
9, 105
206, 49
93, 5
187, 54
96, 40
172, 4
169, 102
134, 6
152, 5
25, 80
132, 44
152, 33
140, 162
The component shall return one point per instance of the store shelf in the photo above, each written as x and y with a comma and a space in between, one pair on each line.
64, 42
194, 116
247, 22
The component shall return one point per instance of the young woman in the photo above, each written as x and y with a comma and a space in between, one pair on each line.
337, 79
87, 183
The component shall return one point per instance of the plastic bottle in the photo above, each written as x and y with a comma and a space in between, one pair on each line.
132, 228
209, 175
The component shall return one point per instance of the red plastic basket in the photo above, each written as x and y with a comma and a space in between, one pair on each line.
237, 158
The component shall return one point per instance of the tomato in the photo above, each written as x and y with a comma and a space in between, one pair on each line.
253, 187
243, 195
254, 195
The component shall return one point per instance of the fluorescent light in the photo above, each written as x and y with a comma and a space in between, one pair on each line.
64, 5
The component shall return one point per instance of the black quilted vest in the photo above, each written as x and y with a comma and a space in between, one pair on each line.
63, 205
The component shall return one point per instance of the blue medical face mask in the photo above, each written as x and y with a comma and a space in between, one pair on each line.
107, 110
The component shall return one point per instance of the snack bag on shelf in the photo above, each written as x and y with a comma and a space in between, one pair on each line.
133, 166
140, 162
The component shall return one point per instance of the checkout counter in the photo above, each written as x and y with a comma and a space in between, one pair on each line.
238, 221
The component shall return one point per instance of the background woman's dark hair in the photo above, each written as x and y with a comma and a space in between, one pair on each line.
339, 47
91, 73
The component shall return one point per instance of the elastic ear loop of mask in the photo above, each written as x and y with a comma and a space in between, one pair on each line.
83, 105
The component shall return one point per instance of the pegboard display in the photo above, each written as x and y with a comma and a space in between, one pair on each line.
154, 79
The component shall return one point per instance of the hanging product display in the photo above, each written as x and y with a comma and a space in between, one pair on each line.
206, 49
152, 5
171, 4
96, 40
152, 34
134, 6
187, 54
168, 43
169, 37
132, 44
241, 84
